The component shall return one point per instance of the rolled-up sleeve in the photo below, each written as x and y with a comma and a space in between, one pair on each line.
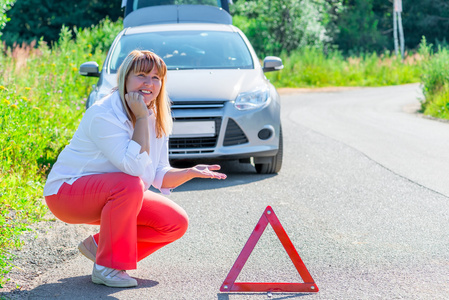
162, 168
114, 140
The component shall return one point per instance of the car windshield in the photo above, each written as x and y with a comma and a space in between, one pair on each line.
145, 3
187, 49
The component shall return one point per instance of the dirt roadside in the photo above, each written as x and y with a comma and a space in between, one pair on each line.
47, 244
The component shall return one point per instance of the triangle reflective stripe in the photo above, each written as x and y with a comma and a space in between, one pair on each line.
229, 284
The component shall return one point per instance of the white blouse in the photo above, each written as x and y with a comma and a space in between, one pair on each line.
102, 144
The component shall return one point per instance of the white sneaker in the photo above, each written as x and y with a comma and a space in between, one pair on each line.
112, 277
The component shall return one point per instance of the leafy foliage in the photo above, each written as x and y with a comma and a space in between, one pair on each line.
283, 25
359, 27
435, 80
429, 18
273, 26
33, 19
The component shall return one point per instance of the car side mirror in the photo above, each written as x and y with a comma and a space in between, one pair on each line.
272, 63
89, 68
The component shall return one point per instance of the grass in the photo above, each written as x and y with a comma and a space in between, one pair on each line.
311, 67
42, 100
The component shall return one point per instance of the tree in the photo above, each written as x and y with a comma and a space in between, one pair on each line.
281, 25
360, 27
429, 18
33, 19
368, 24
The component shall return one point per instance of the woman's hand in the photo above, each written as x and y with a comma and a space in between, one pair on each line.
137, 105
141, 134
207, 171
175, 177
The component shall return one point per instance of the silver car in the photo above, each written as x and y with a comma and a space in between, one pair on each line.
223, 106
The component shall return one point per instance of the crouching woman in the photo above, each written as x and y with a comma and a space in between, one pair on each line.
102, 177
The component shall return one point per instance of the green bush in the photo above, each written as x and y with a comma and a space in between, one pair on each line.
435, 81
98, 37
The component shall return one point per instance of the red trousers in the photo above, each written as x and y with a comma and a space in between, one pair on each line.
133, 223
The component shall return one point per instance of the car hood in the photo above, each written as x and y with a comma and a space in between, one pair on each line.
185, 85
212, 84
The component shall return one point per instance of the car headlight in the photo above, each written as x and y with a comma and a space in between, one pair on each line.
252, 99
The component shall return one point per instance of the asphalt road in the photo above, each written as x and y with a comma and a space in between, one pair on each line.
363, 195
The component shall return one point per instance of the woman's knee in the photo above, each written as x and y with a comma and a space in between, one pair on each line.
175, 230
175, 226
182, 225
164, 219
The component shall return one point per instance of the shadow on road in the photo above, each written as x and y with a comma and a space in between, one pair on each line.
272, 296
80, 287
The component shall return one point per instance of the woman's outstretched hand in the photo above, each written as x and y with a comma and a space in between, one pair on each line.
175, 177
207, 171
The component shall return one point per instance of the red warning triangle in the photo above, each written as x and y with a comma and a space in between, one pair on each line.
229, 284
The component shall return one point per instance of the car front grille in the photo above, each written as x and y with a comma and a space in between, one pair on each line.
188, 143
194, 145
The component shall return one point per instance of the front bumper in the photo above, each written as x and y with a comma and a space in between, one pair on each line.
238, 134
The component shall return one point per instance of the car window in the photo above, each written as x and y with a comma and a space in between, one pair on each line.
187, 49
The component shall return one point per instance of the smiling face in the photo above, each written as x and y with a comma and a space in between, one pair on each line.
146, 84
144, 73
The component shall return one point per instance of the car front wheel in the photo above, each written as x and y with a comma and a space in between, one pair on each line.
274, 163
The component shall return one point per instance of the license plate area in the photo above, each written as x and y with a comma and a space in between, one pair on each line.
183, 129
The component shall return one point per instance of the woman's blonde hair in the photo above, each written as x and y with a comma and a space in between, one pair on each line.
145, 61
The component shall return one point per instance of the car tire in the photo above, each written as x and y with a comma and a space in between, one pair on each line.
275, 164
